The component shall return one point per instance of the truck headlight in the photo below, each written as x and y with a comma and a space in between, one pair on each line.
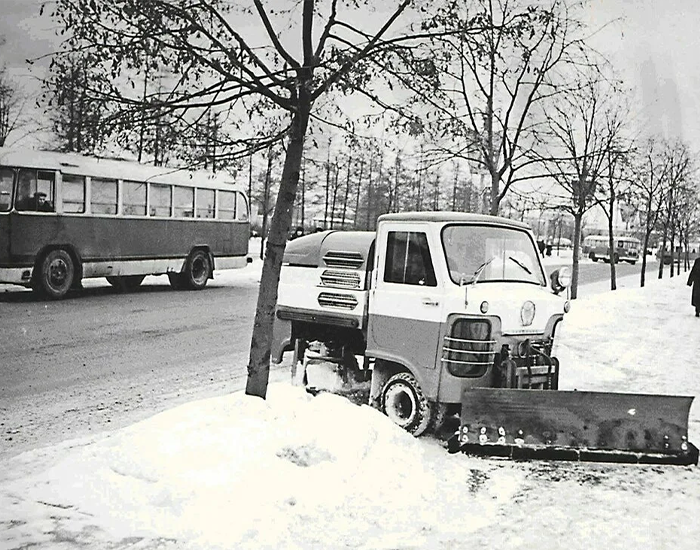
527, 313
564, 277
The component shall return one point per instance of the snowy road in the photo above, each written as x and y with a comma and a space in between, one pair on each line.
102, 360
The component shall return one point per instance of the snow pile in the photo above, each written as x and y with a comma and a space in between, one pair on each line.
301, 472
240, 472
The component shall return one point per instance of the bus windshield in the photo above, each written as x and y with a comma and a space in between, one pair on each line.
5, 189
477, 253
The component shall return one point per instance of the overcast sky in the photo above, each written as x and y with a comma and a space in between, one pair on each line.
654, 43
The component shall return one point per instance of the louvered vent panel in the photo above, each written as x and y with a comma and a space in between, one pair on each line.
337, 258
341, 301
341, 279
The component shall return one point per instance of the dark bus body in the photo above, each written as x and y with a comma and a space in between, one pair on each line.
91, 217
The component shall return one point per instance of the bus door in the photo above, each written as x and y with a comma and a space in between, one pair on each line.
33, 223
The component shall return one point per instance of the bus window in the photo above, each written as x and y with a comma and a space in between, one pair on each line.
241, 207
73, 194
35, 191
227, 205
104, 196
206, 200
161, 200
184, 202
134, 198
5, 189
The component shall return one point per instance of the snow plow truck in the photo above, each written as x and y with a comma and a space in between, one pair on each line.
439, 314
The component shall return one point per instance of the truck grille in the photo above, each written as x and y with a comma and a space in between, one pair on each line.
469, 350
342, 301
341, 279
350, 260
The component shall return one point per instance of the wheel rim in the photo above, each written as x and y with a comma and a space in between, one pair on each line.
400, 405
200, 270
57, 273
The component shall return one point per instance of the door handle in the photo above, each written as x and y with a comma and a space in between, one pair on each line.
429, 302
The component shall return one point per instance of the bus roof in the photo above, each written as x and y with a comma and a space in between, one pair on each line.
616, 237
83, 165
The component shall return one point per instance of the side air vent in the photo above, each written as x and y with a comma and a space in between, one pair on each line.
342, 301
337, 258
340, 279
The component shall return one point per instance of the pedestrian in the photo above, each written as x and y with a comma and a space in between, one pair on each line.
694, 280
541, 246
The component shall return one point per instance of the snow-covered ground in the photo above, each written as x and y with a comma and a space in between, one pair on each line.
302, 472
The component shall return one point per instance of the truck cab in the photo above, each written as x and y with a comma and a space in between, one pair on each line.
428, 305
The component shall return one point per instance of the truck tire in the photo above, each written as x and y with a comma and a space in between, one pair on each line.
404, 403
54, 274
197, 270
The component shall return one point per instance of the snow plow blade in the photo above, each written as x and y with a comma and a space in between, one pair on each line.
575, 425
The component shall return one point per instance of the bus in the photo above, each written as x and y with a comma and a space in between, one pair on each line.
626, 248
65, 217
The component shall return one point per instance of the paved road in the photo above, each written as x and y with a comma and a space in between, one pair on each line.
593, 272
100, 359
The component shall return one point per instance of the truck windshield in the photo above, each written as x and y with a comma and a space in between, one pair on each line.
480, 253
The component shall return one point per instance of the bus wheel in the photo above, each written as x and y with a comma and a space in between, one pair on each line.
404, 403
197, 270
55, 274
126, 283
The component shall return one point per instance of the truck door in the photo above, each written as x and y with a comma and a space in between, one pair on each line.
405, 305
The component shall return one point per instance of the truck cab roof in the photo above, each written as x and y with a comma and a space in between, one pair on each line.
452, 217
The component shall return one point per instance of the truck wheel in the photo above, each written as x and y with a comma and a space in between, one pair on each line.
126, 283
197, 270
55, 274
404, 403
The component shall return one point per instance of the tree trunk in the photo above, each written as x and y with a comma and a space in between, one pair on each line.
261, 342
266, 201
347, 193
359, 190
495, 183
611, 245
578, 217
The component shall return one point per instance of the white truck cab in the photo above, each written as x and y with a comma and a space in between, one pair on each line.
429, 304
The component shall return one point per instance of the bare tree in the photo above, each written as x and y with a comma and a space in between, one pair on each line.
678, 175
242, 57
650, 174
11, 107
498, 61
583, 128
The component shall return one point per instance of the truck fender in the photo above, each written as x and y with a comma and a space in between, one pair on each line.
382, 371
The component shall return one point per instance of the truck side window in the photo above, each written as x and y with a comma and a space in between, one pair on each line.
408, 259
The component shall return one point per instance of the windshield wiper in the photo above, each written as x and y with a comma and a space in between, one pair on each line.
521, 265
480, 269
